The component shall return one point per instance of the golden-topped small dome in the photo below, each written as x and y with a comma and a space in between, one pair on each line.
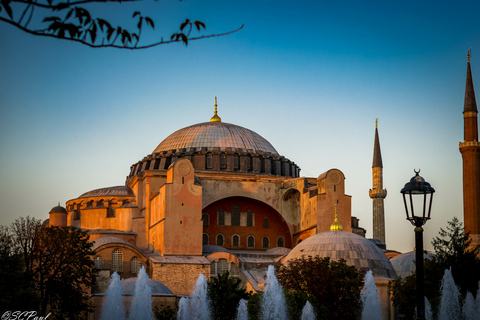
215, 117
336, 226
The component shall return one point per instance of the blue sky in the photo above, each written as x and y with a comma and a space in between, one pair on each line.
310, 77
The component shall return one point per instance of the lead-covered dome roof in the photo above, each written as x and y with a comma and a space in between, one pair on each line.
354, 249
216, 135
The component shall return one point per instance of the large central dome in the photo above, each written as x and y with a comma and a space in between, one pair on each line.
215, 135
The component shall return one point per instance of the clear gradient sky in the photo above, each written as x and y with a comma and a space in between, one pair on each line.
309, 76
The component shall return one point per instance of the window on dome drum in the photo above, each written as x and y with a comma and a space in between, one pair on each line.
117, 261
147, 166
98, 262
100, 204
273, 167
76, 214
265, 223
110, 211
249, 163
262, 165
265, 242
205, 239
235, 241
235, 215
280, 241
220, 240
221, 217
157, 164
251, 241
223, 161
236, 162
135, 265
206, 220
249, 218
209, 161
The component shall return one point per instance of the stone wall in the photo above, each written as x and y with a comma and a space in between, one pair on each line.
179, 278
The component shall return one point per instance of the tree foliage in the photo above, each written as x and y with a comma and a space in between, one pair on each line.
333, 287
453, 249
225, 293
43, 268
73, 20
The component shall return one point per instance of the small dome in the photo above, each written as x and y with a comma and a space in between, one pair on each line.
215, 135
97, 243
354, 249
128, 286
58, 209
404, 263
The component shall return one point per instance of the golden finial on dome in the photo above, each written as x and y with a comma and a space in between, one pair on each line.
215, 117
376, 123
469, 52
336, 226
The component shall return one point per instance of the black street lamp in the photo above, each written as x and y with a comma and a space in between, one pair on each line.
418, 187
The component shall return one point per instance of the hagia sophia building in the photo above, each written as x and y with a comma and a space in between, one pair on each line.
215, 196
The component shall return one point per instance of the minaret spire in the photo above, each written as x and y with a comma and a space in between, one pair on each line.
470, 150
215, 117
377, 193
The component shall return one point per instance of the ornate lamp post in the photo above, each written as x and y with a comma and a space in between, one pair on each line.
419, 189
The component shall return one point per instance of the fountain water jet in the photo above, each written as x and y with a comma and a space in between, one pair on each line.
196, 307
273, 301
113, 307
242, 312
141, 308
428, 310
449, 305
469, 308
307, 312
369, 295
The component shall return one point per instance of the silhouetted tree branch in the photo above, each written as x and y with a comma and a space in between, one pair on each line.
69, 21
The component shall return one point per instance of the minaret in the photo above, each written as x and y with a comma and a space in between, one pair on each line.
377, 193
470, 149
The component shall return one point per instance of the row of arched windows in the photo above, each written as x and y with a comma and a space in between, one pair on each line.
222, 265
235, 218
235, 241
117, 262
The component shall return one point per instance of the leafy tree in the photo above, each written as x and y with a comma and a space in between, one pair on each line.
254, 306
62, 270
164, 313
225, 293
72, 20
333, 287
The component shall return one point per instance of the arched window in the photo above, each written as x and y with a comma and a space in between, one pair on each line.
110, 211
280, 241
117, 261
209, 161
235, 215
236, 241
265, 242
265, 223
262, 165
220, 240
98, 262
205, 239
249, 163
249, 218
221, 217
222, 266
100, 204
223, 161
206, 220
135, 265
251, 241
236, 162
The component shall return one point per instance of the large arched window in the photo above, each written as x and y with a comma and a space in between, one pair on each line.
206, 219
205, 239
117, 261
209, 161
98, 262
265, 223
221, 217
135, 265
236, 241
235, 215
220, 240
280, 241
251, 241
265, 242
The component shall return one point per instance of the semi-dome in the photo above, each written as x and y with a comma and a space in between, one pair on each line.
216, 134
354, 249
404, 263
